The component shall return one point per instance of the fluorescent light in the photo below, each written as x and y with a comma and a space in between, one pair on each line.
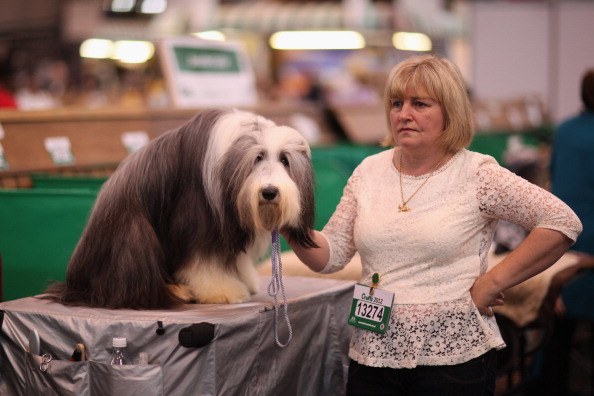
122, 5
133, 51
96, 48
411, 41
153, 6
210, 35
316, 40
124, 51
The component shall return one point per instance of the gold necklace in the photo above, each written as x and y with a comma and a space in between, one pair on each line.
404, 207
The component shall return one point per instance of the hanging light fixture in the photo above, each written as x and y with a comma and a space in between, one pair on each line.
411, 41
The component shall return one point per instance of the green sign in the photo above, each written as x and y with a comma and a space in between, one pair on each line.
212, 60
201, 73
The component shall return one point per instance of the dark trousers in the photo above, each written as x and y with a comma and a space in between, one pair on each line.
473, 378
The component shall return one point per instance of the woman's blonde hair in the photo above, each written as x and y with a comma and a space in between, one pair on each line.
442, 81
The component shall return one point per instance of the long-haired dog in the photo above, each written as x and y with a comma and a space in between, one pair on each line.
185, 218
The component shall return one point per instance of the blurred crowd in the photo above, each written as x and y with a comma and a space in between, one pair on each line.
54, 83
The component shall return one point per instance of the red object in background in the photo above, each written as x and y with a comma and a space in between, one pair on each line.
6, 99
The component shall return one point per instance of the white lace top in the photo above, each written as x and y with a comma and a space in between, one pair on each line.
430, 257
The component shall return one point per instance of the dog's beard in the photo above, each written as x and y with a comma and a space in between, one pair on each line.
261, 216
270, 215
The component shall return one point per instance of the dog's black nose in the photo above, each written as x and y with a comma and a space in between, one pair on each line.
269, 193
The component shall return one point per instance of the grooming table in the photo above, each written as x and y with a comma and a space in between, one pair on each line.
242, 358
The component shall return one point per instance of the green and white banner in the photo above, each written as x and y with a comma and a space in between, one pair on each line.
203, 73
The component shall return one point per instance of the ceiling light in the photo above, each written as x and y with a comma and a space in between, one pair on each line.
122, 5
96, 48
316, 40
133, 51
153, 6
210, 35
411, 41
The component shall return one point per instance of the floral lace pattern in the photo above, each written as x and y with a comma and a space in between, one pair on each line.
430, 257
504, 195
436, 334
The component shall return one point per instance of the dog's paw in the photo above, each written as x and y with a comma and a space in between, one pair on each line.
249, 275
254, 288
252, 284
182, 292
235, 293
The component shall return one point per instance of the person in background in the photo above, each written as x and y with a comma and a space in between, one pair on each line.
422, 216
572, 180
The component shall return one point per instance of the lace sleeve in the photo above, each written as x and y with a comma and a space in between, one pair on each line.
339, 229
504, 195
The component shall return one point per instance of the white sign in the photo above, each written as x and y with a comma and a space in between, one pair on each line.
59, 149
133, 141
3, 163
205, 73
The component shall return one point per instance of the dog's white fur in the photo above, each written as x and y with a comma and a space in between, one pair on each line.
186, 217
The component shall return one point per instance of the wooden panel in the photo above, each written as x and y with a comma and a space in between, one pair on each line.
96, 135
95, 138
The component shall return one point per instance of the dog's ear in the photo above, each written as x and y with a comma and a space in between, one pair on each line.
301, 236
304, 177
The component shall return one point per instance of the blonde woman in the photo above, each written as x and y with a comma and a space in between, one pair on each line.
422, 216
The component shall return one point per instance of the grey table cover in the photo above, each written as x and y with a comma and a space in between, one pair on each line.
243, 358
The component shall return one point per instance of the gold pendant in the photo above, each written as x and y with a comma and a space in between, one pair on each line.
403, 208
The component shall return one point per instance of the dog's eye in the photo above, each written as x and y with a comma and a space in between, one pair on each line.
259, 158
284, 160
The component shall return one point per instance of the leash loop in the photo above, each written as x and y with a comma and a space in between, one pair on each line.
276, 284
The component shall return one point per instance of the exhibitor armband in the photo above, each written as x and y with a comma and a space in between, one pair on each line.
372, 307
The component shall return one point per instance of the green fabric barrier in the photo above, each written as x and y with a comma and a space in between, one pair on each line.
495, 144
332, 168
330, 175
67, 182
351, 155
39, 229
